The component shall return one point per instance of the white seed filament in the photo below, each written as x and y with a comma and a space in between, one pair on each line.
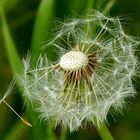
73, 60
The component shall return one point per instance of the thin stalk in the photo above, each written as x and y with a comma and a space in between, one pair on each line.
104, 132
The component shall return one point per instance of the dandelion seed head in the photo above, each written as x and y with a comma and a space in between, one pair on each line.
93, 73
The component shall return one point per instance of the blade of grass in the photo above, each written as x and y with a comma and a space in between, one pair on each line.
42, 25
10, 46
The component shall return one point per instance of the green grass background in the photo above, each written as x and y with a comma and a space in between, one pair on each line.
21, 16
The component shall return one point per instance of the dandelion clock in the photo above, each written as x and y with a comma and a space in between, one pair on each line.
90, 76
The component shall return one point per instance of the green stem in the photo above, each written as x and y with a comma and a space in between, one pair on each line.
104, 132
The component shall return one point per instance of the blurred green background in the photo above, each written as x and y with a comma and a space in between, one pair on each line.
21, 18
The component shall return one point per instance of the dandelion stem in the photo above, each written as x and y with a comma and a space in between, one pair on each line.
104, 132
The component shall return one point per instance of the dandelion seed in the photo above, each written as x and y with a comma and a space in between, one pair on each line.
93, 73
10, 88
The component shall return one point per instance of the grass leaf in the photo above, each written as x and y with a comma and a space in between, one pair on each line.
42, 25
10, 46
